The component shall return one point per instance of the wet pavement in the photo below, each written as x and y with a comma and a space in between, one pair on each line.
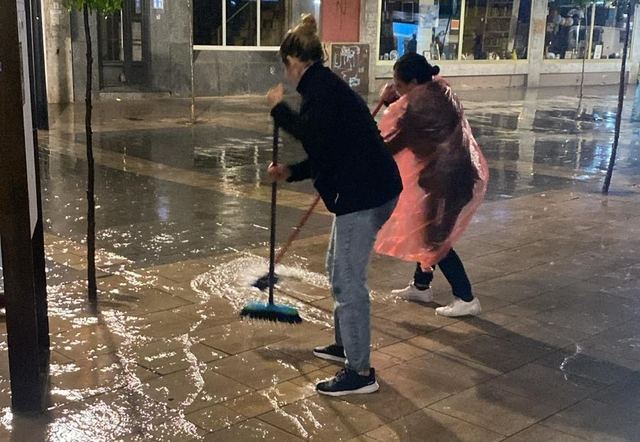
183, 216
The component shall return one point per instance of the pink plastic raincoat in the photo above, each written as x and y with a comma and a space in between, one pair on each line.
444, 174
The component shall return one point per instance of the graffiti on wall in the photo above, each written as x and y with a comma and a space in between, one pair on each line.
351, 62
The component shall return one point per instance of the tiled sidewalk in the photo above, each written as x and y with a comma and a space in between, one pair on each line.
554, 356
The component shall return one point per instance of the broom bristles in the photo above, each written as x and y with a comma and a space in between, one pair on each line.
271, 312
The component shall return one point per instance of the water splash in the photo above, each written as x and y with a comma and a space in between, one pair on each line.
308, 413
568, 359
278, 410
195, 370
632, 342
232, 281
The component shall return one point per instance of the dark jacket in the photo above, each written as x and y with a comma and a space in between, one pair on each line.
347, 159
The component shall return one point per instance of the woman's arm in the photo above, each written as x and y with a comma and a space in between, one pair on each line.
285, 117
314, 126
289, 120
299, 171
391, 127
389, 94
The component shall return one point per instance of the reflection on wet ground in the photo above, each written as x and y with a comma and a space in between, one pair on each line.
183, 216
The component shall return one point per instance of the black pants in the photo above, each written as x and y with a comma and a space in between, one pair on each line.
452, 269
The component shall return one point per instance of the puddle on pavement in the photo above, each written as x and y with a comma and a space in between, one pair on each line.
120, 405
233, 281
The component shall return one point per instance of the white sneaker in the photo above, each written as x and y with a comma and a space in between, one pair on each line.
411, 293
460, 308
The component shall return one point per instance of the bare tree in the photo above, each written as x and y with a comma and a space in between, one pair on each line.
629, 7
87, 7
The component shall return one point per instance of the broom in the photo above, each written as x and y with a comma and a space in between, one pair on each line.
272, 311
263, 282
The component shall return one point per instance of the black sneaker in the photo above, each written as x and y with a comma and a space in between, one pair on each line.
331, 352
348, 381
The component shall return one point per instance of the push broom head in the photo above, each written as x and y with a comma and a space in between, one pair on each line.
271, 312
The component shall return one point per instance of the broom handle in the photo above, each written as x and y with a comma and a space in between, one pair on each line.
377, 108
274, 192
296, 231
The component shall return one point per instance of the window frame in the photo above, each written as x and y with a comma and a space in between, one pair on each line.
224, 46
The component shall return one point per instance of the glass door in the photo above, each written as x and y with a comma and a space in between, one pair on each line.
123, 45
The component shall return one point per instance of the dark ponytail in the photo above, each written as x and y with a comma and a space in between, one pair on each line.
415, 67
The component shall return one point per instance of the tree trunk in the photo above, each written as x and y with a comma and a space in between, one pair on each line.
580, 112
91, 203
614, 149
584, 59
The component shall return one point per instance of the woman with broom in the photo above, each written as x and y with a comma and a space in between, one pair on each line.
358, 181
444, 176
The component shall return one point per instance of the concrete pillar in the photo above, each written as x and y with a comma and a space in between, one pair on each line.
536, 41
59, 64
369, 34
170, 48
79, 54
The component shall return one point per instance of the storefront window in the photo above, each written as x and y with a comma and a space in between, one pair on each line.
596, 31
111, 37
428, 27
568, 30
241, 23
252, 23
207, 22
491, 29
609, 32
272, 22
496, 29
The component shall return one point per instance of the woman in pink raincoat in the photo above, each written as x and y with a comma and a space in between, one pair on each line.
444, 175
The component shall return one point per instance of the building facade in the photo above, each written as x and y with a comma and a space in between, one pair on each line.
229, 47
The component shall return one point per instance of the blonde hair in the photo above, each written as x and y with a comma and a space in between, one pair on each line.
303, 42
